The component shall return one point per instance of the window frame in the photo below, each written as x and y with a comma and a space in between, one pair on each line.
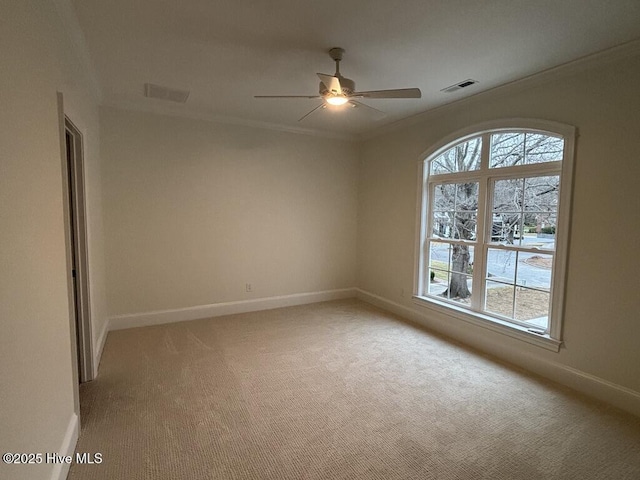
551, 340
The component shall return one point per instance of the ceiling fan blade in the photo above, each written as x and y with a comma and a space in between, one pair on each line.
377, 114
287, 96
332, 83
322, 105
398, 93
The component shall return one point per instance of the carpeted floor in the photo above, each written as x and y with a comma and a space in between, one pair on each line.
336, 390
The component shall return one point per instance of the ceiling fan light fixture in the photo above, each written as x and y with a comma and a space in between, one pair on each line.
336, 100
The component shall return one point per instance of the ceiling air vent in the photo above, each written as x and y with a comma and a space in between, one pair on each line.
458, 86
165, 93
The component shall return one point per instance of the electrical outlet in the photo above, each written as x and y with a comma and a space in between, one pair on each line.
402, 292
248, 287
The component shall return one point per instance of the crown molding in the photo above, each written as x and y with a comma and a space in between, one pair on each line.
78, 42
166, 109
581, 64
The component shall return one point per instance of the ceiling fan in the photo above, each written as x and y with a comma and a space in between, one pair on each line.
337, 90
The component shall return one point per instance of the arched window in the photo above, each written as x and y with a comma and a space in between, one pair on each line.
493, 227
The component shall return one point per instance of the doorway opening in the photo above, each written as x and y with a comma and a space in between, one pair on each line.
77, 250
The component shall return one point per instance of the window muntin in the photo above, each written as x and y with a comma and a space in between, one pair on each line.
455, 210
524, 148
522, 206
450, 269
490, 221
460, 158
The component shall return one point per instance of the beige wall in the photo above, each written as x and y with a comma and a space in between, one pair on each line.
194, 210
602, 323
36, 379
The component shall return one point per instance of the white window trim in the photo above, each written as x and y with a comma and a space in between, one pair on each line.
553, 340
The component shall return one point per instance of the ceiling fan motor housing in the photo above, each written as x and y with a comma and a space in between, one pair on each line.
347, 85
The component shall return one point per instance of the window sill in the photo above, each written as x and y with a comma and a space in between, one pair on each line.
490, 323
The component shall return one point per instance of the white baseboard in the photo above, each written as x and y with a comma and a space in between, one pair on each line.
119, 322
596, 387
99, 347
61, 470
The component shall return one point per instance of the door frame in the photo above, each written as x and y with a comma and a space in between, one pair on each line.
77, 246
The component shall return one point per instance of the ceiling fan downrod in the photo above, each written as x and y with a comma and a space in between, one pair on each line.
336, 55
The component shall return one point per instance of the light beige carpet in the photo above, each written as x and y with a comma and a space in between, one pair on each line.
336, 390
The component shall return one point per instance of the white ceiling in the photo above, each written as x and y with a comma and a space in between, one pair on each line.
226, 51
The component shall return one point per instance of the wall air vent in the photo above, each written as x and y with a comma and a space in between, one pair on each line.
165, 93
458, 86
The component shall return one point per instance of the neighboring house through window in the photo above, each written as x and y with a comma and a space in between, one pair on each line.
494, 227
